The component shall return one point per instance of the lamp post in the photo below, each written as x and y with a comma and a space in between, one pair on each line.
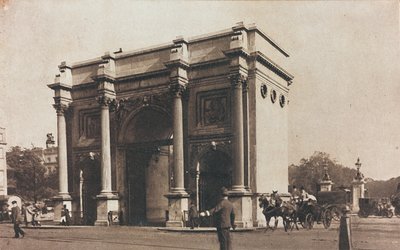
34, 183
359, 175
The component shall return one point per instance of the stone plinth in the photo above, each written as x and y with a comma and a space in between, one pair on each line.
177, 204
105, 203
59, 202
242, 205
326, 185
358, 192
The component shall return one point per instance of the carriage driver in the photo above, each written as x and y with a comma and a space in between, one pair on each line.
295, 194
277, 198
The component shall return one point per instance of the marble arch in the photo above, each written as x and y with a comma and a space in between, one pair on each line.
210, 90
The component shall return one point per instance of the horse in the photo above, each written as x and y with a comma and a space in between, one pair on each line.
288, 212
269, 210
276, 208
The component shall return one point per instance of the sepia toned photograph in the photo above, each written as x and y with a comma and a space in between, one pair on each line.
199, 124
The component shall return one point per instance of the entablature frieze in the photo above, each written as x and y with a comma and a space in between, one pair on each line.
124, 106
270, 64
261, 76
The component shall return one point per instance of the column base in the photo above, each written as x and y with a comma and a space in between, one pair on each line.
242, 204
178, 203
59, 202
106, 203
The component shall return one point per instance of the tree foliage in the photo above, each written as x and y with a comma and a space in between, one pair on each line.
309, 172
30, 175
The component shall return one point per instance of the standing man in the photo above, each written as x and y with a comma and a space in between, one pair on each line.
224, 219
16, 219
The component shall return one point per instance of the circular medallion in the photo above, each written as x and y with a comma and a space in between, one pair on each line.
273, 96
264, 90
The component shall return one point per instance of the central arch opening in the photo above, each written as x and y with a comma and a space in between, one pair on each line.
148, 157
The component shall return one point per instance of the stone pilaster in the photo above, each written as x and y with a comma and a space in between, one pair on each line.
239, 195
106, 201
237, 82
104, 102
178, 197
62, 98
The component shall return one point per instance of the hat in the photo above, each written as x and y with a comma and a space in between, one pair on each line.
274, 191
224, 191
294, 186
301, 187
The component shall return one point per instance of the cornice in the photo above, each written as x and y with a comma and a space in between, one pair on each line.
177, 63
56, 86
240, 51
143, 75
264, 60
222, 60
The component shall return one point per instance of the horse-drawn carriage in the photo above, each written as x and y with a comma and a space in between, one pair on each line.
310, 212
305, 212
335, 201
374, 206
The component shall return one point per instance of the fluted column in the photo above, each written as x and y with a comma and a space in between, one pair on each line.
237, 81
178, 187
105, 145
62, 149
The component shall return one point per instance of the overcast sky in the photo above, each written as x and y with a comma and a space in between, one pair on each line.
344, 56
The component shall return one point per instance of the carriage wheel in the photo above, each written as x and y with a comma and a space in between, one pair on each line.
335, 213
327, 218
397, 212
363, 214
309, 221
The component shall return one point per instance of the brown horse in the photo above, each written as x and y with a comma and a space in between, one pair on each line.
286, 210
269, 210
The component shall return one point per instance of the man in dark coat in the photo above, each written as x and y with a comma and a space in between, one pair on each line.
193, 215
224, 216
16, 219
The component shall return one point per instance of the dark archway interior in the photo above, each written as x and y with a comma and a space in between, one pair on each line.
215, 172
91, 187
147, 137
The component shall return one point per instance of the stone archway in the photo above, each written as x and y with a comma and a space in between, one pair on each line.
90, 187
215, 172
147, 140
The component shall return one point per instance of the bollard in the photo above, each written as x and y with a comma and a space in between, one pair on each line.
345, 231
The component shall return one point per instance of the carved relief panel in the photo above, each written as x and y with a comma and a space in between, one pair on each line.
89, 124
213, 108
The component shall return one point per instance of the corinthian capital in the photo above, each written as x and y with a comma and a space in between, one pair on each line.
238, 80
177, 89
60, 108
105, 100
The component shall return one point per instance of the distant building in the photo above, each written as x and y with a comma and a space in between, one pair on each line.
3, 163
49, 158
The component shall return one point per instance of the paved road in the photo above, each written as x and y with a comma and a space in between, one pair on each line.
370, 233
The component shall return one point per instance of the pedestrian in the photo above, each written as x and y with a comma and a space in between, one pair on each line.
16, 219
193, 215
224, 217
67, 218
29, 214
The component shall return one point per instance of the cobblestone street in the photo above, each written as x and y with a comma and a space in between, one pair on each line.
370, 233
